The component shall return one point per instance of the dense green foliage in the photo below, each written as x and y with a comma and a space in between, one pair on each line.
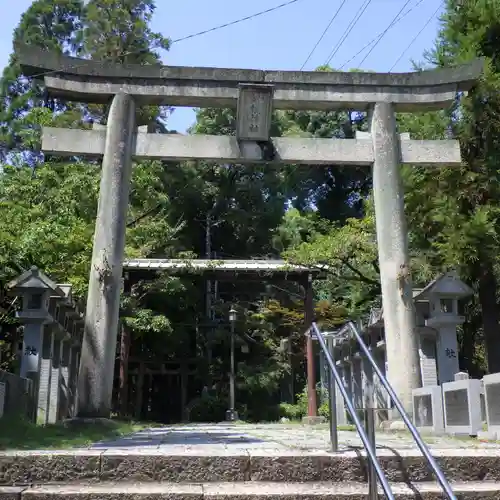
452, 212
47, 210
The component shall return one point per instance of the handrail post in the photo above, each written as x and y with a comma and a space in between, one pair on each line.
372, 457
369, 405
332, 408
370, 431
332, 397
406, 419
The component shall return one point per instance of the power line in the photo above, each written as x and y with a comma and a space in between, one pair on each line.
385, 31
232, 23
323, 35
416, 36
348, 30
375, 38
193, 35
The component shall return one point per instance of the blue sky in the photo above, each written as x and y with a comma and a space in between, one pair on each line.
279, 40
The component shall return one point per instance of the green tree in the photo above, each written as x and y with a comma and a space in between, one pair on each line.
51, 25
466, 199
119, 31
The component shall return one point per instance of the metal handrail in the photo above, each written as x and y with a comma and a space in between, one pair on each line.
406, 419
370, 449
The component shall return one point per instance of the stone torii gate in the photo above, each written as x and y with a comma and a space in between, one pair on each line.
255, 94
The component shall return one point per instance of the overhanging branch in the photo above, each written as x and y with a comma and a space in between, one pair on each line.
361, 276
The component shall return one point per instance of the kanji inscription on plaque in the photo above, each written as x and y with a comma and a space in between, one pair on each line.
254, 112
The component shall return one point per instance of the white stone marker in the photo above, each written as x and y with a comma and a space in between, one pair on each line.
462, 407
492, 403
428, 409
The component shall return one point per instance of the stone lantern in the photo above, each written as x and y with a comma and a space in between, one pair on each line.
443, 318
35, 290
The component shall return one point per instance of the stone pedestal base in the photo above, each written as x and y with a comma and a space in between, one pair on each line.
397, 425
393, 425
231, 416
487, 436
313, 420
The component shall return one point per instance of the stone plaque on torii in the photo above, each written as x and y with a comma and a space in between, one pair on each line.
255, 94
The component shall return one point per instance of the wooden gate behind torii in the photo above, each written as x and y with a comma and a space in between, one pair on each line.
255, 94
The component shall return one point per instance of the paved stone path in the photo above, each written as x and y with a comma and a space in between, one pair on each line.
232, 438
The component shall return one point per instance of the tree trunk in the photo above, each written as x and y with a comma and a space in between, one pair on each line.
468, 348
124, 356
489, 310
184, 391
139, 391
209, 296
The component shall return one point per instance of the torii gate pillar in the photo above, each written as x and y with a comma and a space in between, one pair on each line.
97, 361
402, 353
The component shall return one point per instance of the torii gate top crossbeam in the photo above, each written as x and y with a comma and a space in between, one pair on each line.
97, 81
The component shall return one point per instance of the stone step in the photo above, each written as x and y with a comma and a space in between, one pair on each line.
242, 491
28, 467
